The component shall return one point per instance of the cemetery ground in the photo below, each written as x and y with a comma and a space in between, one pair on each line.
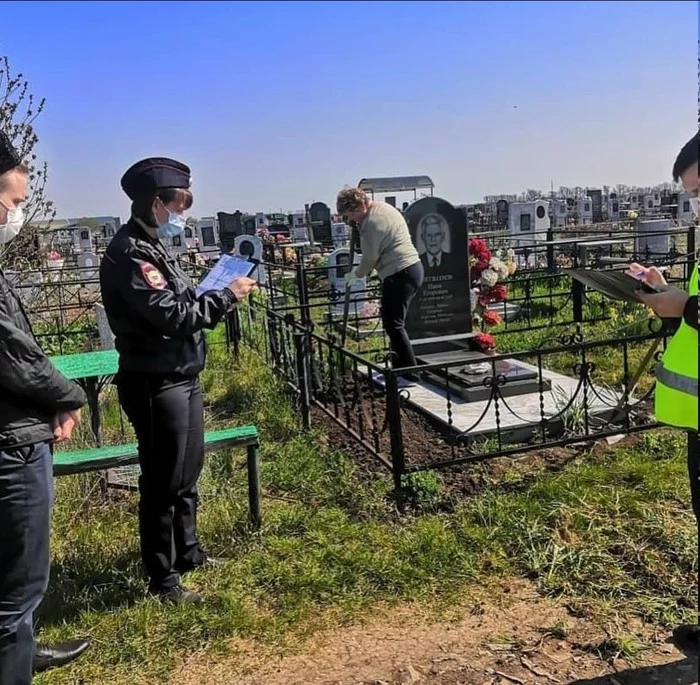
560, 566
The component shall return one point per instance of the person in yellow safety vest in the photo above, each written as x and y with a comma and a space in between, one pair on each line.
677, 373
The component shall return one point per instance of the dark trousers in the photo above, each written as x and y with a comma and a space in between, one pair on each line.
694, 472
168, 417
26, 495
398, 292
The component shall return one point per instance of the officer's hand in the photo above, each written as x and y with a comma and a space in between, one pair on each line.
63, 426
242, 287
668, 304
650, 275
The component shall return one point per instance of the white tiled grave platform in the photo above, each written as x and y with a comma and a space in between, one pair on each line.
520, 411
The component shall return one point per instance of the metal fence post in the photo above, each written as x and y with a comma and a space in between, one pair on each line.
398, 460
233, 331
302, 291
551, 266
691, 249
577, 288
302, 361
254, 487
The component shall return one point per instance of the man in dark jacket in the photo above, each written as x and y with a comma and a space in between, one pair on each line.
38, 406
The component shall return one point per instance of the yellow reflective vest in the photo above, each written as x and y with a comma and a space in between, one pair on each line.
677, 375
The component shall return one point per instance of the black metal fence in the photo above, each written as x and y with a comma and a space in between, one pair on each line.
585, 381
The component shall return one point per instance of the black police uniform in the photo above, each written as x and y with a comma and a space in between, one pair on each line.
157, 320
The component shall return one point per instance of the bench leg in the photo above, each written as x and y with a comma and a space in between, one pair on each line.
254, 489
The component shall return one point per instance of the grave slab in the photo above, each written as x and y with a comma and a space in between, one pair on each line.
522, 412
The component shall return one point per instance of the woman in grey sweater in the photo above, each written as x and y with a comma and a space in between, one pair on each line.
387, 247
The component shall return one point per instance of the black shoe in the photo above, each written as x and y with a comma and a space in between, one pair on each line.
178, 594
53, 656
206, 562
687, 639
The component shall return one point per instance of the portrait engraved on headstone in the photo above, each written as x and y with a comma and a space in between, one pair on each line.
443, 306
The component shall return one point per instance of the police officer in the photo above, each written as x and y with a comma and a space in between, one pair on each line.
38, 406
158, 321
676, 394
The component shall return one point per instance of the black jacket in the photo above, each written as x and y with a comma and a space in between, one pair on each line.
152, 307
32, 391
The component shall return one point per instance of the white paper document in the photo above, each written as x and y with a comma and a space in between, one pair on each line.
226, 269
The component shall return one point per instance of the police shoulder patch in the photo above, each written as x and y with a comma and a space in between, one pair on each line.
153, 277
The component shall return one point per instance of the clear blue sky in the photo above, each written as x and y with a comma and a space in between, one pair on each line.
276, 104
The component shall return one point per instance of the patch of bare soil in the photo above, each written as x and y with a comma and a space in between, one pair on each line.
515, 638
425, 442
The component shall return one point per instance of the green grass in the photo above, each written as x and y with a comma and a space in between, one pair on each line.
611, 533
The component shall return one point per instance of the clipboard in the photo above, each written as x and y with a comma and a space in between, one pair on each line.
617, 285
225, 270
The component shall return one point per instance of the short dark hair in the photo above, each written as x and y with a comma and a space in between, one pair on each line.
141, 208
686, 157
20, 168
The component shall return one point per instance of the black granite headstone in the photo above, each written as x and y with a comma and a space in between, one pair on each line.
249, 227
320, 217
230, 227
502, 212
443, 306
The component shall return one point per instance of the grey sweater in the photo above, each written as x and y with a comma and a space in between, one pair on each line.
386, 242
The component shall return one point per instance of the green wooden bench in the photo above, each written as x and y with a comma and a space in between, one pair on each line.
113, 456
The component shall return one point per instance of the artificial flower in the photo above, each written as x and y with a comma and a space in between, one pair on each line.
491, 318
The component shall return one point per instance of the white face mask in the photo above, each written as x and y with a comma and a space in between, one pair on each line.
15, 221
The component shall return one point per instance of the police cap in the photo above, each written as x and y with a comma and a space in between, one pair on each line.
9, 159
147, 177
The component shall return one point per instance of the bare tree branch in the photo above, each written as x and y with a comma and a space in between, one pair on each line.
19, 110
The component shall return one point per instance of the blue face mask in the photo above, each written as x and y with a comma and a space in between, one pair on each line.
172, 227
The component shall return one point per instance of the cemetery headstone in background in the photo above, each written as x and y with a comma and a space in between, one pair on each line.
338, 267
250, 247
105, 332
301, 234
655, 246
230, 227
320, 217
89, 265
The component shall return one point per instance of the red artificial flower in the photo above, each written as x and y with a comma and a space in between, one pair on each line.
479, 250
499, 292
491, 318
484, 300
485, 341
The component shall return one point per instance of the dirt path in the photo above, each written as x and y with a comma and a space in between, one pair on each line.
519, 639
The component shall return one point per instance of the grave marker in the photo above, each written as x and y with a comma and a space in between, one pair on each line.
250, 247
439, 232
338, 267
320, 217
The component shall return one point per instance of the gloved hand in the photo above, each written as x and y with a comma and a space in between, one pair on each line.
350, 278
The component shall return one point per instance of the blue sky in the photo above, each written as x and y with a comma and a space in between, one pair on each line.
276, 104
